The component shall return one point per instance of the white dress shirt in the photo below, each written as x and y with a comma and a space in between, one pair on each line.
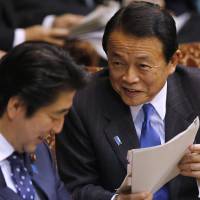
157, 120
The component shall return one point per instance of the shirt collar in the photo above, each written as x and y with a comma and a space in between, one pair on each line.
6, 149
158, 102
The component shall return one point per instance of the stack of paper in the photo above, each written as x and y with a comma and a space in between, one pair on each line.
96, 20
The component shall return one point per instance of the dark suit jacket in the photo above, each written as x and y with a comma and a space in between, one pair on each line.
7, 24
190, 32
90, 162
44, 177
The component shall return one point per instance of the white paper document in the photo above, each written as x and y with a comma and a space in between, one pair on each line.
150, 168
95, 20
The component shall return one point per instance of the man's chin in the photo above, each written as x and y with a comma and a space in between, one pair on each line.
133, 102
30, 149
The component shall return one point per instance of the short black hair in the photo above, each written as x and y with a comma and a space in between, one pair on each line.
144, 19
37, 72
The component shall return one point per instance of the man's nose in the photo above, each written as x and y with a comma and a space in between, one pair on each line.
58, 125
131, 75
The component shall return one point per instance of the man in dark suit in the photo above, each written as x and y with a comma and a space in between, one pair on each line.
187, 19
108, 117
23, 22
37, 85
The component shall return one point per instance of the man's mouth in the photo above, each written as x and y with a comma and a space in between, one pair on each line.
131, 92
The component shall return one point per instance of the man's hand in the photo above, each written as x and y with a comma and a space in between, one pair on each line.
136, 196
52, 35
67, 21
190, 163
2, 53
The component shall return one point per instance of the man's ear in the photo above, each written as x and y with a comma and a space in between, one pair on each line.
174, 61
14, 107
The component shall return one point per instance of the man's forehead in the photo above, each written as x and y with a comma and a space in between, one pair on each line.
161, 3
120, 41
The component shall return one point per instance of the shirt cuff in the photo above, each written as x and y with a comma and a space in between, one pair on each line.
48, 21
198, 184
19, 36
113, 197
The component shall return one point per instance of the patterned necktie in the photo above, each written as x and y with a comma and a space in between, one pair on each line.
21, 177
149, 137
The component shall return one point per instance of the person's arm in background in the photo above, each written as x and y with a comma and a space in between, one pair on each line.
34, 12
11, 35
2, 53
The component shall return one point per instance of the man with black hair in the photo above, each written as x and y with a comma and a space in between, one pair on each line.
37, 84
143, 99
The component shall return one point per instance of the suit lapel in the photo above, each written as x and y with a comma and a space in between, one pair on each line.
119, 125
180, 113
41, 182
179, 116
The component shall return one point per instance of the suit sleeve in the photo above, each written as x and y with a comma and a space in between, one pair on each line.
6, 37
44, 155
77, 162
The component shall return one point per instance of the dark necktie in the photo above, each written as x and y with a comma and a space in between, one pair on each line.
21, 177
149, 137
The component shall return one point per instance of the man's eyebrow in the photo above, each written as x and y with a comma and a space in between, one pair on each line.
114, 54
65, 110
142, 57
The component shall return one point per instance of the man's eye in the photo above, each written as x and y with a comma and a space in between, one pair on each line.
144, 66
117, 64
54, 118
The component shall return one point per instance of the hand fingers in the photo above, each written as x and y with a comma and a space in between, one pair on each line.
194, 174
55, 41
136, 196
190, 158
142, 196
195, 148
58, 32
190, 169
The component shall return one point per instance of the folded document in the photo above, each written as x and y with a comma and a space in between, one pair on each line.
151, 168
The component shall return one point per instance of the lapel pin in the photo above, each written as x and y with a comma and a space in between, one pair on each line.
117, 140
34, 169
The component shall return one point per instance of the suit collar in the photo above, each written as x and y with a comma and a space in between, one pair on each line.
6, 149
40, 181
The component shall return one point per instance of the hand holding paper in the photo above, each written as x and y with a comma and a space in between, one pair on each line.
190, 164
151, 168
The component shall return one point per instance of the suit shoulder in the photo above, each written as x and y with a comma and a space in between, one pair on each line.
191, 74
96, 85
